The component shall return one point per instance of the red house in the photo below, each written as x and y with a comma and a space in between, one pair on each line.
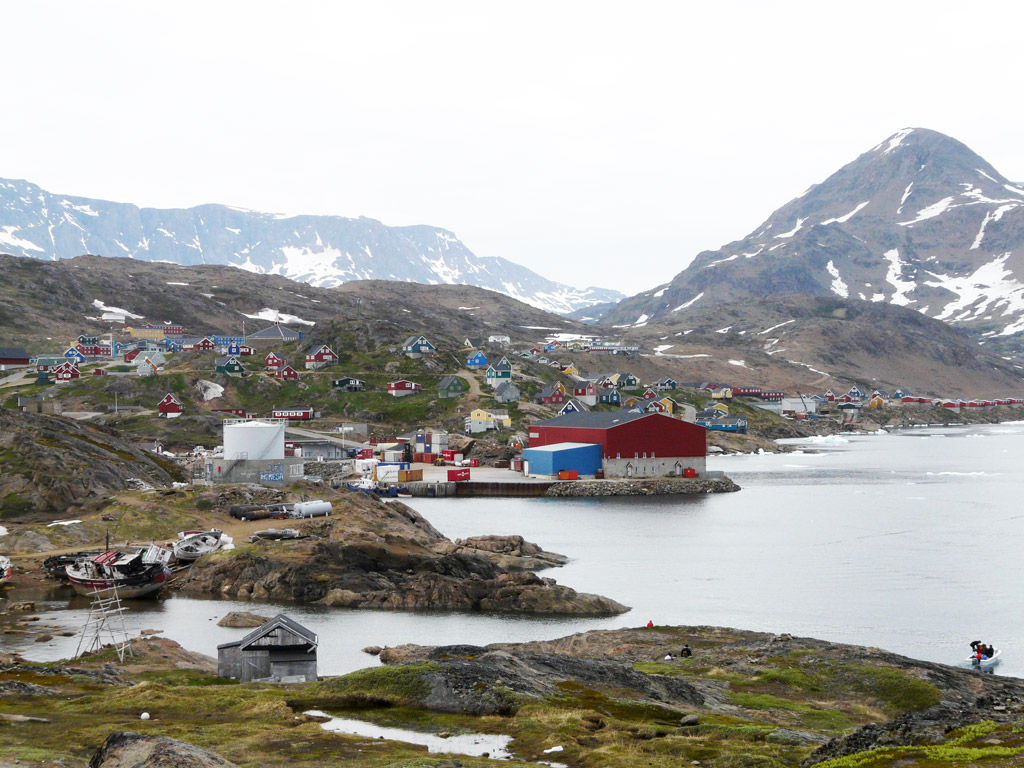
294, 412
131, 354
775, 395
206, 345
403, 387
170, 406
239, 412
746, 391
320, 357
99, 371
632, 444
66, 372
273, 362
650, 394
13, 356
288, 373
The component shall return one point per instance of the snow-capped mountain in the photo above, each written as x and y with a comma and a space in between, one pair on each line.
324, 251
919, 221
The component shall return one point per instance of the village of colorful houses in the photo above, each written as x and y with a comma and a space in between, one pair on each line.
588, 409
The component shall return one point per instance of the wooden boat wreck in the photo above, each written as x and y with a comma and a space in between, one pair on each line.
136, 573
5, 569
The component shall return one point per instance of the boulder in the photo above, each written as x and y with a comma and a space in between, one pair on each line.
125, 749
243, 620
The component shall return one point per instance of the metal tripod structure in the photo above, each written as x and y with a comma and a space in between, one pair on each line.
104, 623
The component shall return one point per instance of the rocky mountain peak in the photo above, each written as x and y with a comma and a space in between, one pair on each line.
919, 220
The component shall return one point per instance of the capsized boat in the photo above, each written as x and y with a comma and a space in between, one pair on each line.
5, 569
194, 544
135, 573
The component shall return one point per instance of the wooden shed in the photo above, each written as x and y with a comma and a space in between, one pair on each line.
281, 651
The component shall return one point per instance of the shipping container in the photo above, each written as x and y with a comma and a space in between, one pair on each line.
457, 475
517, 464
474, 462
568, 474
448, 455
394, 455
387, 473
366, 453
501, 464
410, 475
547, 461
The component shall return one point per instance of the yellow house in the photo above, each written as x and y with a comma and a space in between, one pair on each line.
725, 393
559, 386
481, 420
145, 333
669, 404
571, 370
719, 407
876, 402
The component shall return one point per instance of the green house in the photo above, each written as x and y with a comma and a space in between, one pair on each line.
230, 366
450, 386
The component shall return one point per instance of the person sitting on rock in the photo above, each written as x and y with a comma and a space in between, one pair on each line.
686, 652
650, 625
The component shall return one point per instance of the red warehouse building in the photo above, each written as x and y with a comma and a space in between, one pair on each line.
299, 412
632, 444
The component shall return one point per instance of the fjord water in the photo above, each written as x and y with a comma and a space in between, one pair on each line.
909, 541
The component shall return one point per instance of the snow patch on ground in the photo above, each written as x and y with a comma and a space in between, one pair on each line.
690, 303
641, 321
894, 276
995, 215
839, 286
807, 366
274, 316
724, 330
769, 330
846, 216
991, 284
930, 212
663, 347
793, 231
210, 390
906, 194
114, 310
177, 283
739, 363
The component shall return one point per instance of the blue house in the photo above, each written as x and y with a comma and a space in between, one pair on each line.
609, 396
571, 406
74, 354
476, 360
417, 346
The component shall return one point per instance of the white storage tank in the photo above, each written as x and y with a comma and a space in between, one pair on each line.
253, 440
312, 509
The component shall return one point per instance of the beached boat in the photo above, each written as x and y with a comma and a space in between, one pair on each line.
985, 664
366, 485
5, 569
135, 573
194, 544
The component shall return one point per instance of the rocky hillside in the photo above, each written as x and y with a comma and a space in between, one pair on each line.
55, 465
323, 251
919, 221
43, 301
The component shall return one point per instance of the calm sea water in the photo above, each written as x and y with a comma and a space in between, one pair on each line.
910, 542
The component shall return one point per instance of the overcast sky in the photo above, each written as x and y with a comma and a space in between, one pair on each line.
595, 143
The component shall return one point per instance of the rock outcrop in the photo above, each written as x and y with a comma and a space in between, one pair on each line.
376, 555
53, 464
125, 749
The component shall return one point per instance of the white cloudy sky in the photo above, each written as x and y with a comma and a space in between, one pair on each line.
602, 143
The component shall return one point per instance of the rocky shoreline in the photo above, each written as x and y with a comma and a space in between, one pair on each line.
662, 486
371, 554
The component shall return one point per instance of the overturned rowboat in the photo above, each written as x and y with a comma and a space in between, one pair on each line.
192, 545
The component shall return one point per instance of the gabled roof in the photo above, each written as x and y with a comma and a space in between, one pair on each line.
413, 339
447, 381
13, 352
278, 622
592, 420
293, 408
504, 387
275, 331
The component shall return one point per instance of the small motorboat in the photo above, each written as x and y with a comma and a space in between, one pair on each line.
5, 569
135, 573
192, 545
986, 663
366, 485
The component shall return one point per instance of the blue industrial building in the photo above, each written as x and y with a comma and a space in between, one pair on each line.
582, 458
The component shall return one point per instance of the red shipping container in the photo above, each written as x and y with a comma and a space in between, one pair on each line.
455, 475
366, 453
689, 472
474, 462
448, 455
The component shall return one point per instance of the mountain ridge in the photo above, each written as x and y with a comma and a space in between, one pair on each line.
324, 251
918, 220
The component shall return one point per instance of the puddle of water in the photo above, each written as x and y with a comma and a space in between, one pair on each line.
469, 744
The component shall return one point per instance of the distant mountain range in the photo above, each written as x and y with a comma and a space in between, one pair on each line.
918, 221
324, 251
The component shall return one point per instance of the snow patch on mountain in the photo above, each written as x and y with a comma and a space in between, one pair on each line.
990, 285
894, 276
689, 303
847, 216
793, 231
933, 210
839, 286
995, 215
275, 316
